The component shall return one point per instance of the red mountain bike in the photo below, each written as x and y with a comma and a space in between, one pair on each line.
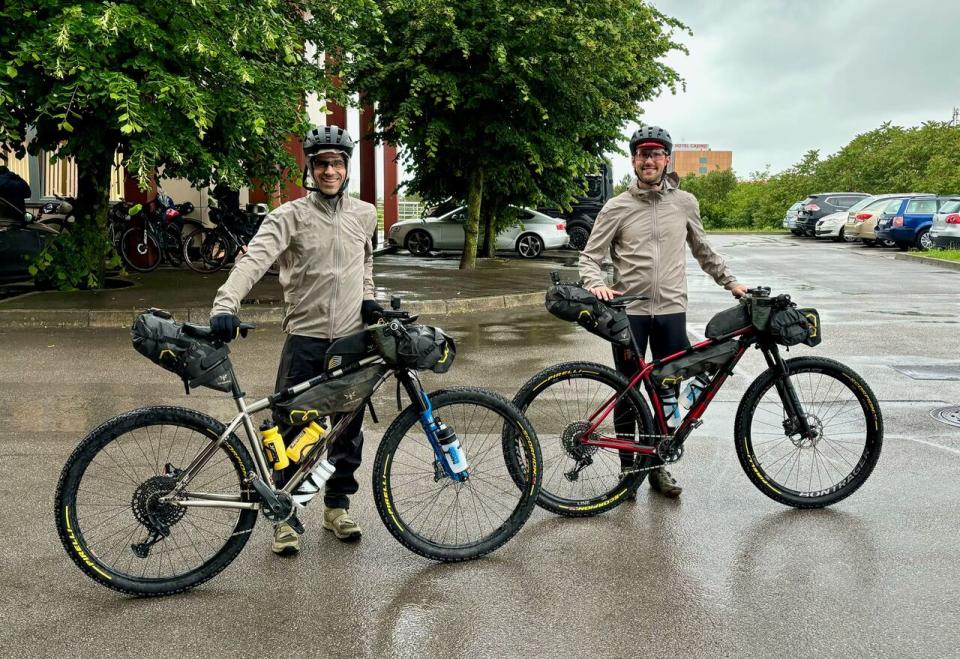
808, 430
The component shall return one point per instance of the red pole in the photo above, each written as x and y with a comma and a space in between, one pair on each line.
390, 200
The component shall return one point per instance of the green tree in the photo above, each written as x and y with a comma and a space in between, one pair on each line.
510, 101
623, 184
194, 89
712, 191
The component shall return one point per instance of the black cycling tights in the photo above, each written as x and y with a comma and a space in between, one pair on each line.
666, 335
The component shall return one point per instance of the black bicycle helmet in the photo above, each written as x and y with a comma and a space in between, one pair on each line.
650, 136
326, 138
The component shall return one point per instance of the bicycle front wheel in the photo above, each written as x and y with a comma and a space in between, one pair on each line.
580, 480
109, 512
437, 517
812, 471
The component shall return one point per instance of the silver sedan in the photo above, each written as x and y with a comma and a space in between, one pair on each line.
534, 233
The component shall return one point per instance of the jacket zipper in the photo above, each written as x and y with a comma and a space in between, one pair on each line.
655, 298
336, 274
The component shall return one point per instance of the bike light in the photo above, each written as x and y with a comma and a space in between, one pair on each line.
953, 218
860, 217
562, 226
171, 214
898, 221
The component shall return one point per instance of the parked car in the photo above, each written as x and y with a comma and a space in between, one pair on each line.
831, 226
945, 230
790, 219
817, 206
908, 222
862, 217
534, 233
21, 239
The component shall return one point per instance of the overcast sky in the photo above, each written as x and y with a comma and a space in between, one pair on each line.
771, 79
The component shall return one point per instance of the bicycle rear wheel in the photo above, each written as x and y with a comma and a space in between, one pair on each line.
444, 520
809, 472
112, 523
581, 480
140, 250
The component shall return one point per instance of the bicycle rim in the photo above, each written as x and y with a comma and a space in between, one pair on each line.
140, 250
108, 504
578, 477
446, 520
821, 469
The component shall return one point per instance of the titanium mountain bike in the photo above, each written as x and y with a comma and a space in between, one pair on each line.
808, 430
161, 499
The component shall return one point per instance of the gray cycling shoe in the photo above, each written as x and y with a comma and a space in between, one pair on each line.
663, 482
343, 526
286, 542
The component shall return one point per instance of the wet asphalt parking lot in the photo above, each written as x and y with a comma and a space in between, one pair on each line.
724, 571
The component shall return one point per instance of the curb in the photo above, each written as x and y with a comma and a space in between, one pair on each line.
930, 260
262, 315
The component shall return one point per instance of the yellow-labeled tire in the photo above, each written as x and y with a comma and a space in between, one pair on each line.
108, 504
435, 516
818, 470
579, 480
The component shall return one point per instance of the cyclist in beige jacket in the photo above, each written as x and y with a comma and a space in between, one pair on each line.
323, 245
645, 230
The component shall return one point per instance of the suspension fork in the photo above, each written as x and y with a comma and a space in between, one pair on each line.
796, 420
411, 383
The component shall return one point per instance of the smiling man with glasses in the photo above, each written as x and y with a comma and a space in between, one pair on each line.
644, 230
323, 245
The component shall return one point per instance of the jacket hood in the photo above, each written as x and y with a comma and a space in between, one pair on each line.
671, 181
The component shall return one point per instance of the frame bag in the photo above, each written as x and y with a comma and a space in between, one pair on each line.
709, 361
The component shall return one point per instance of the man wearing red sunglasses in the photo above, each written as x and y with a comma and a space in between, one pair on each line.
644, 230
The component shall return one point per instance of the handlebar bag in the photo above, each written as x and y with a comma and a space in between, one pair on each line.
421, 347
790, 326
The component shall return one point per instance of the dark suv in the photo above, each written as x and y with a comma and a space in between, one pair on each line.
818, 206
584, 212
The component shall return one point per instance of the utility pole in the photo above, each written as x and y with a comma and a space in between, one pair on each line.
956, 116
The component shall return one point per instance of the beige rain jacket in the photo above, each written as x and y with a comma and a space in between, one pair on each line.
644, 232
325, 255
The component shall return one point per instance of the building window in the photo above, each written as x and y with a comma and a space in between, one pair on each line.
703, 161
703, 170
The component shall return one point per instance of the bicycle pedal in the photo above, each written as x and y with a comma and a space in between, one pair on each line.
296, 524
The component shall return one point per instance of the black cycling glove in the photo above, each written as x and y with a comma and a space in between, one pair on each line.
370, 311
225, 327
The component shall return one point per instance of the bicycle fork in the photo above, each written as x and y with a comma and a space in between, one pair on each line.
796, 421
450, 460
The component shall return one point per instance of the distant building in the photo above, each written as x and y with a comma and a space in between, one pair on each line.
699, 159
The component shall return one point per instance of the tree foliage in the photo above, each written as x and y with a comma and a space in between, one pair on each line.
510, 101
201, 90
890, 158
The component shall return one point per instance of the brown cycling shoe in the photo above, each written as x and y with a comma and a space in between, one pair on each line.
339, 521
661, 481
